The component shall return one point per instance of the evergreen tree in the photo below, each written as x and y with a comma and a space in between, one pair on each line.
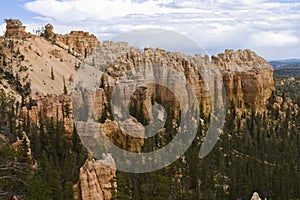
52, 73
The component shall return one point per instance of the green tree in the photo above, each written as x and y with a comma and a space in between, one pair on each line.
52, 73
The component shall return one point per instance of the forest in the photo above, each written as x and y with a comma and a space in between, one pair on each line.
257, 152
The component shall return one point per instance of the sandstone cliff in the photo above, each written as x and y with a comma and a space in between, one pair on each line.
78, 43
15, 29
55, 107
247, 78
96, 179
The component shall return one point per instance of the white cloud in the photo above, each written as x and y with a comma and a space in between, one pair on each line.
274, 39
214, 24
72, 10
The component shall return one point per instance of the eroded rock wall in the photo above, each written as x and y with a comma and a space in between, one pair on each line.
55, 107
15, 28
248, 78
96, 179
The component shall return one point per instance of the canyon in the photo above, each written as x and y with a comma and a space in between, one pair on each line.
79, 60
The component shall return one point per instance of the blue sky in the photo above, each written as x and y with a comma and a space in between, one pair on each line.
269, 27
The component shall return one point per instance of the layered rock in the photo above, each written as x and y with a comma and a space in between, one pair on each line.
96, 179
55, 107
167, 71
92, 102
15, 28
99, 137
248, 78
173, 78
49, 34
78, 42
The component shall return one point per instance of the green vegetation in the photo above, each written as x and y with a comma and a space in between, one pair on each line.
57, 156
52, 73
286, 68
256, 153
19, 83
288, 86
65, 87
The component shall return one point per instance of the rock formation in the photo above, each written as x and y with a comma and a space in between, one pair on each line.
49, 34
248, 78
78, 42
93, 101
18, 145
15, 28
56, 107
96, 179
255, 196
99, 137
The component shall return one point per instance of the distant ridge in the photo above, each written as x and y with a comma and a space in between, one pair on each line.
285, 63
289, 67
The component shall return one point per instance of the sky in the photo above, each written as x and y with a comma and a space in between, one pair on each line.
271, 28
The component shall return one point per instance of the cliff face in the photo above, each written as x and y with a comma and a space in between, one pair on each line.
78, 43
56, 107
248, 78
96, 179
15, 29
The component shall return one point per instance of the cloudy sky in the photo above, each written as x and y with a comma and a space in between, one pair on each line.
269, 27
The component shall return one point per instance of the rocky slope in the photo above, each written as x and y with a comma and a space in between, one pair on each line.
48, 66
78, 43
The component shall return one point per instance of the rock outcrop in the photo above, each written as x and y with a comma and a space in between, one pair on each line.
18, 145
255, 196
77, 42
99, 136
90, 101
15, 29
248, 78
96, 179
49, 34
55, 107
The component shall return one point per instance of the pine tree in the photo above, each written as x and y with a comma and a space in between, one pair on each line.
65, 87
52, 73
